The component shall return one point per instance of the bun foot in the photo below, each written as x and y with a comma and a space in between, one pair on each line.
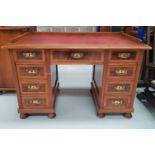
2, 92
101, 115
23, 116
51, 115
127, 115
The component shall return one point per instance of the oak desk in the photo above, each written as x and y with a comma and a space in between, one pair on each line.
116, 57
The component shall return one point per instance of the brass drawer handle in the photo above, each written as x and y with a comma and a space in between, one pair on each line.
119, 88
34, 102
77, 55
32, 72
121, 72
117, 102
29, 55
124, 55
33, 87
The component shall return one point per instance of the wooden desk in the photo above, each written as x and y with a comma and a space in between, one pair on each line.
116, 57
6, 34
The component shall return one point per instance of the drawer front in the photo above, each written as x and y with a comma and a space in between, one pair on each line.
27, 56
77, 55
118, 71
117, 102
119, 87
33, 86
31, 71
123, 56
35, 102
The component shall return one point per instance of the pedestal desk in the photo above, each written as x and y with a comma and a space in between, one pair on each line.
116, 57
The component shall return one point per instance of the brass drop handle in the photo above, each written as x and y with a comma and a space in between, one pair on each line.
33, 87
119, 88
121, 72
34, 102
117, 102
124, 55
77, 55
32, 72
29, 55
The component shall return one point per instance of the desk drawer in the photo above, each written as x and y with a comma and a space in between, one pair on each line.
121, 70
31, 71
77, 56
33, 86
29, 56
35, 102
119, 87
117, 102
128, 56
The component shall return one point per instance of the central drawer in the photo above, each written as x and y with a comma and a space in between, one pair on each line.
77, 56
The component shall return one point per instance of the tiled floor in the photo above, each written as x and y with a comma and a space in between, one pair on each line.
74, 107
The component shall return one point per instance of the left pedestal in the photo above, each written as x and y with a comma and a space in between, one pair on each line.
33, 82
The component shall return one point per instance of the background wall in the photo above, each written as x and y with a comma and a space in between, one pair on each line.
66, 28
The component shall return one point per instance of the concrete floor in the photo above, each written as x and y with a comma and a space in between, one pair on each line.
74, 107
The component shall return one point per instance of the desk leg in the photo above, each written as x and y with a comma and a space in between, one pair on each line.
96, 87
53, 84
101, 115
95, 99
127, 115
1, 92
57, 78
51, 115
23, 116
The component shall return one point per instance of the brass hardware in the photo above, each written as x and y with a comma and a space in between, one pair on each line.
124, 55
29, 55
121, 72
77, 55
32, 71
119, 88
33, 87
117, 102
34, 102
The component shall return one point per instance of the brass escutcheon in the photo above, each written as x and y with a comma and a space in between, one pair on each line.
124, 55
77, 55
29, 55
121, 72
32, 71
33, 87
119, 88
117, 102
34, 102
